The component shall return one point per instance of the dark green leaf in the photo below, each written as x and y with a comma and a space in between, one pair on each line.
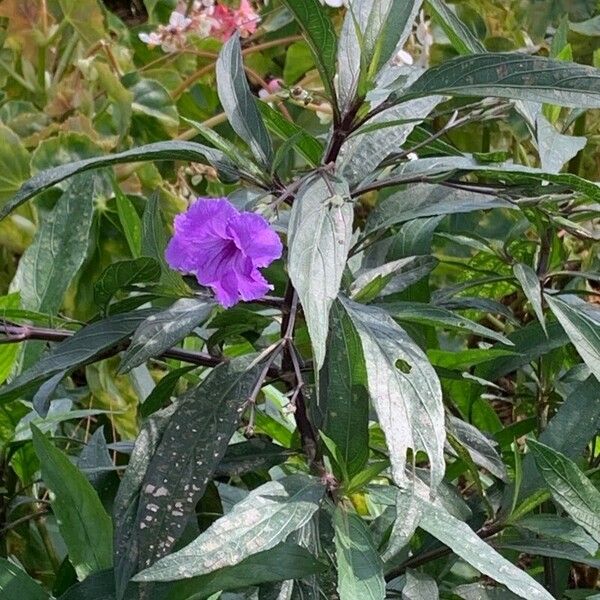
252, 455
581, 321
122, 274
462, 540
259, 522
239, 103
343, 395
570, 488
192, 445
15, 584
511, 75
320, 35
163, 391
86, 346
461, 37
172, 150
404, 389
423, 200
306, 145
429, 314
569, 431
164, 330
130, 221
532, 289
82, 520
59, 247
319, 238
360, 570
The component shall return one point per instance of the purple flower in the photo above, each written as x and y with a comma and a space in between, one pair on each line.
224, 249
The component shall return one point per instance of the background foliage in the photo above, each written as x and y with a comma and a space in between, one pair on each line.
413, 413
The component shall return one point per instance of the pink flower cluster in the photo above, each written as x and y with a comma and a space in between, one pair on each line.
205, 19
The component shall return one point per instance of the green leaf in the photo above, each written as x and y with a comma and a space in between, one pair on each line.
252, 455
581, 321
239, 103
122, 274
163, 390
87, 345
510, 75
305, 144
360, 570
154, 243
283, 562
8, 352
570, 488
429, 314
422, 200
319, 236
363, 152
391, 278
320, 35
86, 18
532, 288
559, 528
460, 36
404, 389
15, 584
481, 591
150, 98
172, 150
82, 520
59, 248
464, 542
192, 445
419, 586
14, 163
259, 522
122, 98
130, 221
343, 396
164, 330
569, 431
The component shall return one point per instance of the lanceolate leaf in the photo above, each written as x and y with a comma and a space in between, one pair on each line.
532, 289
404, 389
172, 150
166, 329
343, 395
423, 200
15, 584
569, 431
239, 103
86, 346
191, 447
510, 75
83, 522
461, 37
360, 570
570, 488
58, 249
259, 522
125, 273
319, 236
320, 35
581, 321
458, 536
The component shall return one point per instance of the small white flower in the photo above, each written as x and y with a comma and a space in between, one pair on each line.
178, 21
152, 39
335, 3
412, 156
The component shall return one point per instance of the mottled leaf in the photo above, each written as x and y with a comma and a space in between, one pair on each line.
164, 330
259, 522
319, 237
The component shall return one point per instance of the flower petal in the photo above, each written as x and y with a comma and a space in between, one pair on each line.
236, 285
255, 238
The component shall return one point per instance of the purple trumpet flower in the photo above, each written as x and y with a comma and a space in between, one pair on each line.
224, 249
